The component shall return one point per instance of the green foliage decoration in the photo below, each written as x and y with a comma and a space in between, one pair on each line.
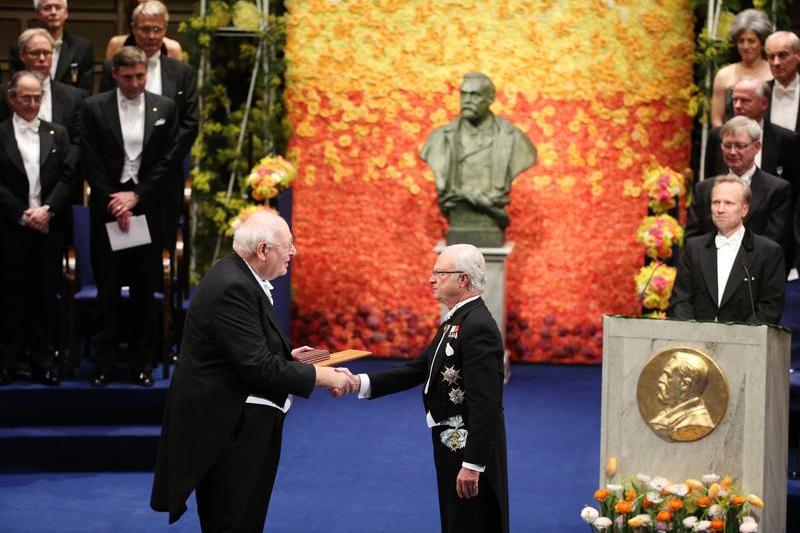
227, 55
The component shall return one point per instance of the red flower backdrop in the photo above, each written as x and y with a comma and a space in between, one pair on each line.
365, 212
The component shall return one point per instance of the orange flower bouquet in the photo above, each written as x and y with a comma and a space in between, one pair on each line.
663, 186
654, 285
644, 504
269, 177
660, 234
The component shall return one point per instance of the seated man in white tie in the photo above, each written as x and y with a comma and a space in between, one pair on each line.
730, 274
36, 174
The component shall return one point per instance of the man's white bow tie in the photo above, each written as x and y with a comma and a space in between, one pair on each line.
721, 241
780, 92
124, 102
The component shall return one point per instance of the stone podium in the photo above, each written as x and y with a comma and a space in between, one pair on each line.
749, 441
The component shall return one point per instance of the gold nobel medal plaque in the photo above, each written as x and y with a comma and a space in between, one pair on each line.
682, 394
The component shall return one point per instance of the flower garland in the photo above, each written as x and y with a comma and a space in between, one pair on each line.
642, 503
663, 187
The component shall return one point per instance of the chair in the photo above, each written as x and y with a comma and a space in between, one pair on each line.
82, 292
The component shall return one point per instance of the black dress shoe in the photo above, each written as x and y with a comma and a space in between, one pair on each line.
49, 378
144, 380
100, 380
5, 377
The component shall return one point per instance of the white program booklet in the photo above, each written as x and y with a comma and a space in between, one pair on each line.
137, 235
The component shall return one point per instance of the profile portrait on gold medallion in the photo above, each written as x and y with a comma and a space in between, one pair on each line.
682, 394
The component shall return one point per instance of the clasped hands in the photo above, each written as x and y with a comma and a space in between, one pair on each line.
339, 381
120, 206
37, 218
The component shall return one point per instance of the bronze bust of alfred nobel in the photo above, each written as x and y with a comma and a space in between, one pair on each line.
474, 159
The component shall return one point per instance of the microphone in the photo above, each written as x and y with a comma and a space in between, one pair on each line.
659, 264
749, 280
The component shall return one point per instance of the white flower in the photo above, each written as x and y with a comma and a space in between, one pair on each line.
702, 525
658, 483
643, 478
681, 489
716, 511
589, 514
708, 479
662, 526
602, 522
654, 497
722, 493
643, 518
690, 521
749, 525
618, 521
614, 488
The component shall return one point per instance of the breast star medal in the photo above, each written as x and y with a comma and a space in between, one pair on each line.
450, 375
457, 396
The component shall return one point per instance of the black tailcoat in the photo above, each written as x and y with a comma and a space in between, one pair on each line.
757, 269
75, 62
232, 347
178, 82
476, 347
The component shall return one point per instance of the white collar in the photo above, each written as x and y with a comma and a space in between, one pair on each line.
265, 284
735, 238
794, 84
122, 100
747, 175
24, 124
154, 59
456, 307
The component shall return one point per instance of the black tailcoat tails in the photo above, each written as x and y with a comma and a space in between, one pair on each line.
465, 365
758, 268
232, 347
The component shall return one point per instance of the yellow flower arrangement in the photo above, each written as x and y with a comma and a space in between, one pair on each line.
654, 285
663, 186
660, 234
269, 177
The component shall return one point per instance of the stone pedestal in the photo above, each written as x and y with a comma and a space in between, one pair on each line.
750, 442
495, 293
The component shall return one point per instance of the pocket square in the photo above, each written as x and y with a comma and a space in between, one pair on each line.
160, 122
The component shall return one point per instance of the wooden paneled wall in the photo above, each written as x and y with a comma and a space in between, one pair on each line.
96, 20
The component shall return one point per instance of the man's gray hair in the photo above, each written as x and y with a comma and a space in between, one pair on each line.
37, 2
30, 33
763, 90
150, 8
15, 79
470, 261
741, 123
751, 19
794, 40
247, 236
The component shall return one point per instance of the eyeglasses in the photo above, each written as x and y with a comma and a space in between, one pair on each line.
284, 247
440, 273
735, 146
38, 53
155, 30
30, 98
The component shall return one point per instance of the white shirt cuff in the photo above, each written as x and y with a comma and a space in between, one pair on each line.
365, 391
477, 468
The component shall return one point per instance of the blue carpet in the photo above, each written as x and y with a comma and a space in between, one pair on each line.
357, 466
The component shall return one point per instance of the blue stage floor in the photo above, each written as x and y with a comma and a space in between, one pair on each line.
356, 466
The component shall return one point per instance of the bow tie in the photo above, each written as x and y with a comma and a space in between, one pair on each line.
721, 241
784, 93
133, 104
28, 127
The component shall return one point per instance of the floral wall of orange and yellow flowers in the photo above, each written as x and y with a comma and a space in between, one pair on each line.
597, 85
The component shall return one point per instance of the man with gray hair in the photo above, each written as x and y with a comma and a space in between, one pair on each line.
73, 58
783, 56
771, 204
233, 387
462, 373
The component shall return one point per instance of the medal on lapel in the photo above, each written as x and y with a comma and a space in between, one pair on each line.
73, 73
457, 396
450, 375
454, 332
